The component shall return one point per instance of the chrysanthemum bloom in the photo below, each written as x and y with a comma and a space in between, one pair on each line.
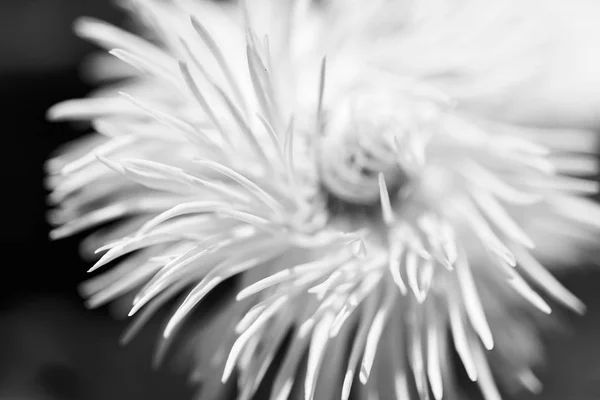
341, 158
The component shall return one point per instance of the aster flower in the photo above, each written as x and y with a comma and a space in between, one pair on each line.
341, 159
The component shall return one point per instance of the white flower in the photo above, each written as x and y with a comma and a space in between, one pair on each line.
341, 159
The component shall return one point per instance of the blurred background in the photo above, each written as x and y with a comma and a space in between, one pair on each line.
51, 347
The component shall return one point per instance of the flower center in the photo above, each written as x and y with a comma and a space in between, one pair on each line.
351, 162
365, 136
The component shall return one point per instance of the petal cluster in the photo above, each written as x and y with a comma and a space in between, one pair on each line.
342, 162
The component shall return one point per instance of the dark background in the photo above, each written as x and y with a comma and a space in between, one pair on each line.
51, 347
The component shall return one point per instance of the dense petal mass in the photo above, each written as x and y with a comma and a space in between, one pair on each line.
344, 163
